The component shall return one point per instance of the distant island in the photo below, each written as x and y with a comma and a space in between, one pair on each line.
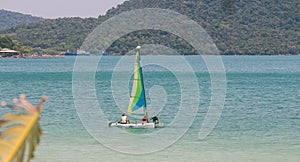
237, 27
10, 19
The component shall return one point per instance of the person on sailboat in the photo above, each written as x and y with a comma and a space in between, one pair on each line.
124, 119
144, 120
155, 119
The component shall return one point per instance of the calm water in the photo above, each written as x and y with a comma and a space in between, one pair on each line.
260, 120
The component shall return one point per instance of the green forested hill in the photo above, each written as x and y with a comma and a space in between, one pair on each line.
54, 34
10, 19
236, 26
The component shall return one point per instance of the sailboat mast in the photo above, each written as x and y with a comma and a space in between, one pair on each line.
142, 80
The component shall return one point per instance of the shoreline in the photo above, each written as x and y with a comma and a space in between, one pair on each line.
35, 57
63, 56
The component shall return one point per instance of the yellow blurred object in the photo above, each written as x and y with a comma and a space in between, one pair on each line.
19, 135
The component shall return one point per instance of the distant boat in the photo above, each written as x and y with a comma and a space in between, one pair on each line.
137, 104
70, 54
75, 54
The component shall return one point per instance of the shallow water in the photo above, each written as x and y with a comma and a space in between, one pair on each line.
259, 122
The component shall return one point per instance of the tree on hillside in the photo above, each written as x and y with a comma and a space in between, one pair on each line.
7, 42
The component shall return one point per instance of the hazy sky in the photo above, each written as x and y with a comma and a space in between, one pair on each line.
60, 8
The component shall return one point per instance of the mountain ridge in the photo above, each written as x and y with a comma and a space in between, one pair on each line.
11, 18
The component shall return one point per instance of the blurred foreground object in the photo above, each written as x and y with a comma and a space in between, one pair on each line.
20, 133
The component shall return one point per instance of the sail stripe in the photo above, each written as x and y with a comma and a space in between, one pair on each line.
137, 98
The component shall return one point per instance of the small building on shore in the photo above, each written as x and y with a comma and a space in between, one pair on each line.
5, 52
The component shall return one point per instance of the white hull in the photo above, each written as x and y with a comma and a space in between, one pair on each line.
136, 125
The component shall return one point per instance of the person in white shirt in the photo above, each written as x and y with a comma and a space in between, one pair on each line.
124, 119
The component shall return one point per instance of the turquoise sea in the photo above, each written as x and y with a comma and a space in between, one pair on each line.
260, 120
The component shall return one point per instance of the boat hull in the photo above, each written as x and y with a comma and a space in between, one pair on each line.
136, 125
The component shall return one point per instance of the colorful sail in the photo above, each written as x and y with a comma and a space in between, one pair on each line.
137, 97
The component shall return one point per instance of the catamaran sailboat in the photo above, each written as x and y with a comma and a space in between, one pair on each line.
138, 100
